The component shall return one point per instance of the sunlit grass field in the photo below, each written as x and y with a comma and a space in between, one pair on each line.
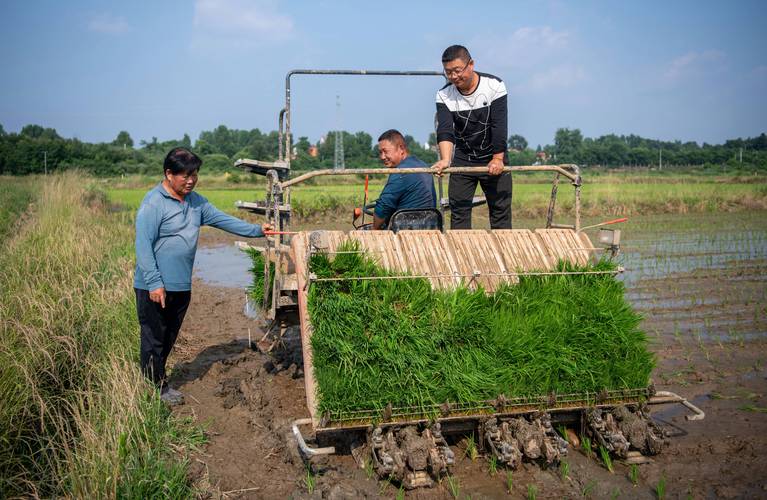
599, 197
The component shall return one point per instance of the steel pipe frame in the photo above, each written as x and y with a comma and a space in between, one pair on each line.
285, 135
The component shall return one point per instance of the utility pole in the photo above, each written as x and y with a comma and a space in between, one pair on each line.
45, 161
741, 154
338, 157
660, 158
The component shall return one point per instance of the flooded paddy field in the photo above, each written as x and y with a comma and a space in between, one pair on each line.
698, 280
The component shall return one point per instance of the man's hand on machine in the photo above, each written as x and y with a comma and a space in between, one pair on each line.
266, 227
495, 167
440, 166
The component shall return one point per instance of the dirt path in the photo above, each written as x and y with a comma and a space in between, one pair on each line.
248, 399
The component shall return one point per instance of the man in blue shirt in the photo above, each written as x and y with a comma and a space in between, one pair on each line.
401, 190
167, 229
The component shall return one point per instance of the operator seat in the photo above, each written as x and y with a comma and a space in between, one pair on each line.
415, 218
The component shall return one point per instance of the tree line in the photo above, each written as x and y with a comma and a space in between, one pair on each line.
37, 149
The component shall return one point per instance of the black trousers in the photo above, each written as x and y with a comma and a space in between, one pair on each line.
497, 189
159, 329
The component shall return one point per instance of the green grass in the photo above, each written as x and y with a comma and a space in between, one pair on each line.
601, 196
77, 419
379, 342
15, 196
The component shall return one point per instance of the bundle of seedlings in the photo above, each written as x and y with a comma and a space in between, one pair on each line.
256, 290
398, 342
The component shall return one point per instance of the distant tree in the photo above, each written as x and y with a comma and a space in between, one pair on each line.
38, 132
123, 140
152, 145
202, 147
432, 140
2, 131
517, 142
303, 144
567, 144
186, 141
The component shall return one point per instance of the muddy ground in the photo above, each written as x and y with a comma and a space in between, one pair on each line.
247, 400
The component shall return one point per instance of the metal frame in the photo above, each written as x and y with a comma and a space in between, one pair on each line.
277, 209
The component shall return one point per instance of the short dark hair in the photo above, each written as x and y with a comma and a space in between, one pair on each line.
456, 52
181, 160
394, 136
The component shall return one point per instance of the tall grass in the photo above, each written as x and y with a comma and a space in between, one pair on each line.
77, 418
15, 195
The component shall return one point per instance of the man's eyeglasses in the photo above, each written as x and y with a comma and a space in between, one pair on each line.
456, 72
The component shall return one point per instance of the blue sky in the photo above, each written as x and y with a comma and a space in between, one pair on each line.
682, 70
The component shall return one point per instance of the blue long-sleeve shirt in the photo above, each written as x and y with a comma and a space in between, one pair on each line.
166, 237
406, 190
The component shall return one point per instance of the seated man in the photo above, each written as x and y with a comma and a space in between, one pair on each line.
401, 190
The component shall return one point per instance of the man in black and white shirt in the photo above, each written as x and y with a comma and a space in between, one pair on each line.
472, 122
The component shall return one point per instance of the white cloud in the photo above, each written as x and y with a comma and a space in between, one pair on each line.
695, 64
240, 22
108, 24
526, 47
554, 77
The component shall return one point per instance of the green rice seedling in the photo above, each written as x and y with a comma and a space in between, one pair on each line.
564, 469
401, 493
589, 488
256, 289
532, 490
753, 408
492, 466
634, 474
369, 468
563, 432
606, 458
509, 482
398, 342
310, 479
586, 445
660, 488
384, 484
616, 493
453, 487
471, 448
